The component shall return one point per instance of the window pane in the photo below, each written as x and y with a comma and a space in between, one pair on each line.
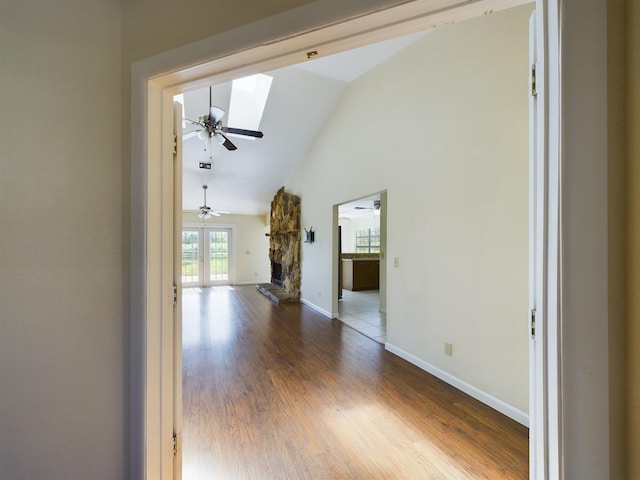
190, 257
218, 256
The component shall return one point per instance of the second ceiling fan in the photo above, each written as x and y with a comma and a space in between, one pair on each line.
211, 126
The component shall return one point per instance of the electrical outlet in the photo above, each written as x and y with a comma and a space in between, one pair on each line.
448, 349
396, 262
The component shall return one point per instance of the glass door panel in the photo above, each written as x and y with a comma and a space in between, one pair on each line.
219, 256
191, 257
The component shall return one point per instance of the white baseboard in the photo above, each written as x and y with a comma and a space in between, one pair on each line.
316, 308
495, 403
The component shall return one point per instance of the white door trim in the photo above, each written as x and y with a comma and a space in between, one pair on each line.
156, 80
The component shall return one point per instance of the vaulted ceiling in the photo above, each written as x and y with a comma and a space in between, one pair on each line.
300, 102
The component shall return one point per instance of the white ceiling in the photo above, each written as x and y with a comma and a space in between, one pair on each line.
302, 98
361, 208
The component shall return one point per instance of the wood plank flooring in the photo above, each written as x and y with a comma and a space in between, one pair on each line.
281, 392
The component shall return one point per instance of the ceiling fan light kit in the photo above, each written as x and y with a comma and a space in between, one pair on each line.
205, 212
211, 126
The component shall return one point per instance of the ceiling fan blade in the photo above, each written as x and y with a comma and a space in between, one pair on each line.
242, 131
215, 214
216, 114
228, 144
189, 135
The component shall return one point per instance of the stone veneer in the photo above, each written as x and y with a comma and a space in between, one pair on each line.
284, 239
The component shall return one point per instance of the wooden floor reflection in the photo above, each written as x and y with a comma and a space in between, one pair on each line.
281, 392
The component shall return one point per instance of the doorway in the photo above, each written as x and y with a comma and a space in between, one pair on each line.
427, 191
149, 283
361, 295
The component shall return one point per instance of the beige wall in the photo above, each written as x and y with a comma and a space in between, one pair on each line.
156, 26
453, 157
632, 100
63, 360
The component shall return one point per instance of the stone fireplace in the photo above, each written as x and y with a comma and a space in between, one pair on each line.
284, 248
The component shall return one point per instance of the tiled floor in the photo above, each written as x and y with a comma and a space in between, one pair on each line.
360, 310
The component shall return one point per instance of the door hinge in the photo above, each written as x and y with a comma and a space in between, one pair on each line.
534, 92
175, 144
175, 444
175, 295
533, 323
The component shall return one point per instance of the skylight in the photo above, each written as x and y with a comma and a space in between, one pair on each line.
248, 99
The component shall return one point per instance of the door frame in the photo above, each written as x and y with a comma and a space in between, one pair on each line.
575, 312
336, 263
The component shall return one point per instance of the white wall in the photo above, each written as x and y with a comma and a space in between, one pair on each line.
452, 154
63, 381
348, 245
250, 244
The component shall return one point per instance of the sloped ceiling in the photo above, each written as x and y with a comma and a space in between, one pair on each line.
301, 100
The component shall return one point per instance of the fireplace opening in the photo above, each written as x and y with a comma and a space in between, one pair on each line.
276, 274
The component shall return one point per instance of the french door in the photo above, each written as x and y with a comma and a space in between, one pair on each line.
207, 256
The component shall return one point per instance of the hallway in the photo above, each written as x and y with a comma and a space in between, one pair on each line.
281, 392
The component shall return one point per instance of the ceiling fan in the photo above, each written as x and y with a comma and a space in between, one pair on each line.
204, 211
211, 126
375, 208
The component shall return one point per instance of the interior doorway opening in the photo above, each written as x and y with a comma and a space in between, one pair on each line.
152, 87
362, 279
369, 237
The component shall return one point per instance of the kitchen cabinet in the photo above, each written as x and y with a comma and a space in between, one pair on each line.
360, 274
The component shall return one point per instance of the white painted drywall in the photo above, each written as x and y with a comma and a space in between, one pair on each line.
63, 347
443, 128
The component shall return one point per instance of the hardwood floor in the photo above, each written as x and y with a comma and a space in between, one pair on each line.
281, 392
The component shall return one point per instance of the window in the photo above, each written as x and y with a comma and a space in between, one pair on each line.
368, 240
